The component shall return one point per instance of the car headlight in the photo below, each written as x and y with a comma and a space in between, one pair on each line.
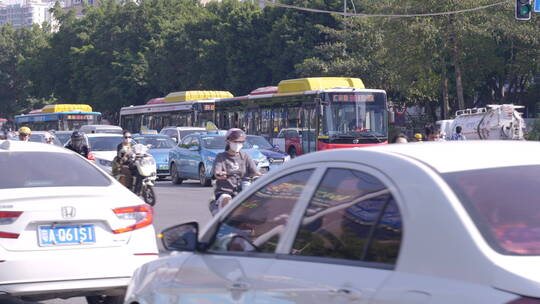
106, 163
210, 158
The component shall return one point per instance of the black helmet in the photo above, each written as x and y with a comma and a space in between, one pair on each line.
77, 135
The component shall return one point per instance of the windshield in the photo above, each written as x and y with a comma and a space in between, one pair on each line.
218, 142
41, 139
108, 143
48, 169
156, 142
358, 115
63, 137
259, 141
184, 133
503, 203
73, 124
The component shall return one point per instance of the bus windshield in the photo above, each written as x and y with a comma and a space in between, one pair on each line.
356, 114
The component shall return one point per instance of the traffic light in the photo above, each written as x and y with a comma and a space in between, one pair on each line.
523, 9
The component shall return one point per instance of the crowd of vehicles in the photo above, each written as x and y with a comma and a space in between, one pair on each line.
299, 115
338, 226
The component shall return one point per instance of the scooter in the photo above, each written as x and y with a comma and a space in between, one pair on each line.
147, 173
244, 184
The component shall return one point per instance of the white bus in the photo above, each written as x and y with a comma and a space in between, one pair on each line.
183, 109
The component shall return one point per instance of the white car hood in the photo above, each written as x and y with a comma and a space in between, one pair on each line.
518, 274
108, 155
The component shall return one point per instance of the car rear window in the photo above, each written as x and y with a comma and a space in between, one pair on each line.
105, 143
47, 169
505, 205
184, 133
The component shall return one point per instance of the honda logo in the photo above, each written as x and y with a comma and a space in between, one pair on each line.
355, 141
68, 212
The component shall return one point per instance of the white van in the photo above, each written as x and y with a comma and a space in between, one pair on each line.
110, 129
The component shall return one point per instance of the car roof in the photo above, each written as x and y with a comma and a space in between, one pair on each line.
183, 128
100, 126
21, 146
151, 135
89, 135
41, 133
453, 156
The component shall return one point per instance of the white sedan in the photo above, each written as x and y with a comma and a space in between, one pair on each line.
103, 148
441, 223
67, 228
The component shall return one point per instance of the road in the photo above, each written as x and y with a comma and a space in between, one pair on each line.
176, 204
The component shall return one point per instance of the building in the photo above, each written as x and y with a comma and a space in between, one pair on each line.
26, 14
78, 6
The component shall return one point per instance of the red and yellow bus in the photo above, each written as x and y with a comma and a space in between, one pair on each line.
181, 109
310, 114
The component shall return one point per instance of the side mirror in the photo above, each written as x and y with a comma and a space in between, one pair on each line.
181, 237
194, 148
175, 139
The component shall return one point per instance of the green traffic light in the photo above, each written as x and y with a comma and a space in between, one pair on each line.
525, 9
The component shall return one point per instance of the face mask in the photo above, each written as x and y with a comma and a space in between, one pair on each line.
236, 147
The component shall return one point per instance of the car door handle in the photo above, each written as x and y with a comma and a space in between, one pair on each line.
240, 286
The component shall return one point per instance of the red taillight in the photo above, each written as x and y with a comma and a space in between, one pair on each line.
8, 235
143, 215
91, 156
525, 300
8, 217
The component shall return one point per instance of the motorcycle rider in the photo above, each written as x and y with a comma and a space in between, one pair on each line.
124, 164
77, 144
24, 133
231, 166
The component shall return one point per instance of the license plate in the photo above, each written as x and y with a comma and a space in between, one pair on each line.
163, 167
66, 235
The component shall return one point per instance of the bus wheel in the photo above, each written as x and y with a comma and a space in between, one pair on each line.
174, 175
292, 152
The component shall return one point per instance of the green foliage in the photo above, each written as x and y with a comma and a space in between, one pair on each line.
126, 53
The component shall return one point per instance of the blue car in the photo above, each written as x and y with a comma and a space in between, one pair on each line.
160, 145
275, 157
194, 157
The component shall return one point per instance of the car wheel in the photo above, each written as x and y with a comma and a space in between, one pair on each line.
205, 182
292, 152
105, 299
174, 175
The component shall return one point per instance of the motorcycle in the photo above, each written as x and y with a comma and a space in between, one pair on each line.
244, 184
145, 166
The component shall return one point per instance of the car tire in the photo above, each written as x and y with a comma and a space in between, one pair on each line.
205, 182
105, 299
292, 152
174, 175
